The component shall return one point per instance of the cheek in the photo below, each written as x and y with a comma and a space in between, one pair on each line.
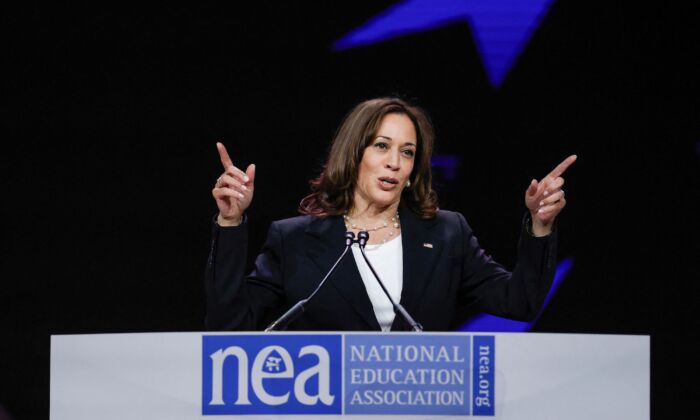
409, 168
367, 167
363, 175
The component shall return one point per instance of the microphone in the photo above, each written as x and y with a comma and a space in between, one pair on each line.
293, 313
362, 238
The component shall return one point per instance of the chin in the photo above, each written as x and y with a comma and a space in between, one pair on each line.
384, 201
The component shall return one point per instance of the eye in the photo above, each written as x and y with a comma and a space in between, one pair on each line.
381, 145
409, 152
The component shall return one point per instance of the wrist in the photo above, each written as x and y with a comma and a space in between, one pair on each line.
537, 228
228, 221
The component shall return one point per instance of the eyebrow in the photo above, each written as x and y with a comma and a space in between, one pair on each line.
390, 139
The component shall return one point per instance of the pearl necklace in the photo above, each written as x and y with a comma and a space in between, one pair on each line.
394, 221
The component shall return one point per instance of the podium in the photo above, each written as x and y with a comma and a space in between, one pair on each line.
185, 376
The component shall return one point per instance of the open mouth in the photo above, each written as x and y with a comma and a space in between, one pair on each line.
388, 182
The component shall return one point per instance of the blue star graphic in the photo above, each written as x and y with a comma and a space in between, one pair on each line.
501, 28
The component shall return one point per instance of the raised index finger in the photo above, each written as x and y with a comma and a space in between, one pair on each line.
562, 167
223, 154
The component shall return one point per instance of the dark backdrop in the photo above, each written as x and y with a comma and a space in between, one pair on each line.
111, 115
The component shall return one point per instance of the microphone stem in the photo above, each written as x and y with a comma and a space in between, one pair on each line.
330, 272
296, 310
397, 306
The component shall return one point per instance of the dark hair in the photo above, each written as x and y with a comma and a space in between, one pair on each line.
332, 193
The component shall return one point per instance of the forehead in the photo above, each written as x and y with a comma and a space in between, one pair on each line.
399, 127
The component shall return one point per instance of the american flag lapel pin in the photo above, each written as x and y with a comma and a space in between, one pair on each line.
428, 245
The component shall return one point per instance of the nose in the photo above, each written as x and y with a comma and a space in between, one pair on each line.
393, 161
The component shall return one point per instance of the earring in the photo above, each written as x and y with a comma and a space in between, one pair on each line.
408, 184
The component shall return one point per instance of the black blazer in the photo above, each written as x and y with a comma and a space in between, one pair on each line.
447, 276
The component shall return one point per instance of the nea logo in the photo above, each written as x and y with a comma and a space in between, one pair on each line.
271, 374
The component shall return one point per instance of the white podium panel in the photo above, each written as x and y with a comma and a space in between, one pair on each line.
186, 376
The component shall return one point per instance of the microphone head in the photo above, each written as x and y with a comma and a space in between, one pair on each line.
362, 238
349, 238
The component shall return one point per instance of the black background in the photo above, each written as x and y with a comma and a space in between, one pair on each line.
112, 113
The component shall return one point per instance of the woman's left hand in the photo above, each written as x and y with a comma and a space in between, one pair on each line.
545, 199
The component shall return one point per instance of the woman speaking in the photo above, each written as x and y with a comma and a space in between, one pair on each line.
377, 178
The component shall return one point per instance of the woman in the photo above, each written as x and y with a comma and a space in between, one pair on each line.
377, 178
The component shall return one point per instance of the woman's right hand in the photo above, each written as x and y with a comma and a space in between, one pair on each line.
233, 191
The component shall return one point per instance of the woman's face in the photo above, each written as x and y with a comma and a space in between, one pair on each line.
386, 163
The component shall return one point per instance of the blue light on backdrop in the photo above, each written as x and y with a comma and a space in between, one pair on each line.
501, 28
448, 164
490, 323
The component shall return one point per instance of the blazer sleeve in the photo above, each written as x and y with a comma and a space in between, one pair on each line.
236, 301
488, 287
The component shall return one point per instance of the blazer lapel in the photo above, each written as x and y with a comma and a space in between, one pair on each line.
325, 246
421, 251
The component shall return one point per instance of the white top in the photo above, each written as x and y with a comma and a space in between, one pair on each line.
387, 260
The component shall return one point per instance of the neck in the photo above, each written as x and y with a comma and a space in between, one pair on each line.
365, 209
371, 212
